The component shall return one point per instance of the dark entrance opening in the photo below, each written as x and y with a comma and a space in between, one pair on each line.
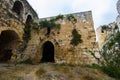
27, 28
48, 30
27, 33
48, 52
18, 7
8, 41
29, 20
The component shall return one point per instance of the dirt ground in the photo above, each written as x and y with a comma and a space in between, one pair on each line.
49, 71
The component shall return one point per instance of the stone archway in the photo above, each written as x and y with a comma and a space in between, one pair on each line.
8, 41
48, 52
29, 20
18, 7
27, 28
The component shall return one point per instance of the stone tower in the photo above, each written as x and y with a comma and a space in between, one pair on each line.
105, 33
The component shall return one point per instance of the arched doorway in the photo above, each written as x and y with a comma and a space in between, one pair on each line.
8, 41
29, 20
27, 28
18, 7
48, 52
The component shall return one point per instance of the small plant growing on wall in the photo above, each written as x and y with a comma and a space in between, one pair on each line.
71, 18
116, 26
27, 33
76, 38
26, 37
104, 27
52, 22
59, 17
109, 61
35, 26
49, 24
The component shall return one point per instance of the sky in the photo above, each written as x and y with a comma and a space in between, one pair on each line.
103, 11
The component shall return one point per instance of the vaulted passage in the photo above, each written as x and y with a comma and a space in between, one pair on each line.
8, 41
48, 52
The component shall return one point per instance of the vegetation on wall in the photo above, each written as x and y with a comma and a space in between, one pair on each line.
104, 27
26, 38
116, 26
52, 22
35, 26
76, 38
110, 57
27, 33
59, 17
49, 23
71, 18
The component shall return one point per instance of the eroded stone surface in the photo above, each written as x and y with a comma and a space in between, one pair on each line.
64, 52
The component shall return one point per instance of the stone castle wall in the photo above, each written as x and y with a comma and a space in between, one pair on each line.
64, 51
12, 24
60, 39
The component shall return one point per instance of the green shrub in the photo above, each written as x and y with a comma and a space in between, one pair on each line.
35, 26
44, 23
49, 23
76, 38
110, 57
104, 27
117, 37
71, 18
112, 71
94, 66
59, 17
116, 26
27, 61
27, 33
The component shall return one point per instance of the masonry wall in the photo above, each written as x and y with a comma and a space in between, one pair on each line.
12, 26
64, 51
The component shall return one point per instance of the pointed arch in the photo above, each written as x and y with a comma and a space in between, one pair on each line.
48, 52
28, 20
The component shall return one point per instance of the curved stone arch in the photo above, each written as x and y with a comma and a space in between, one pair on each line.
20, 34
42, 46
18, 7
9, 40
28, 15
